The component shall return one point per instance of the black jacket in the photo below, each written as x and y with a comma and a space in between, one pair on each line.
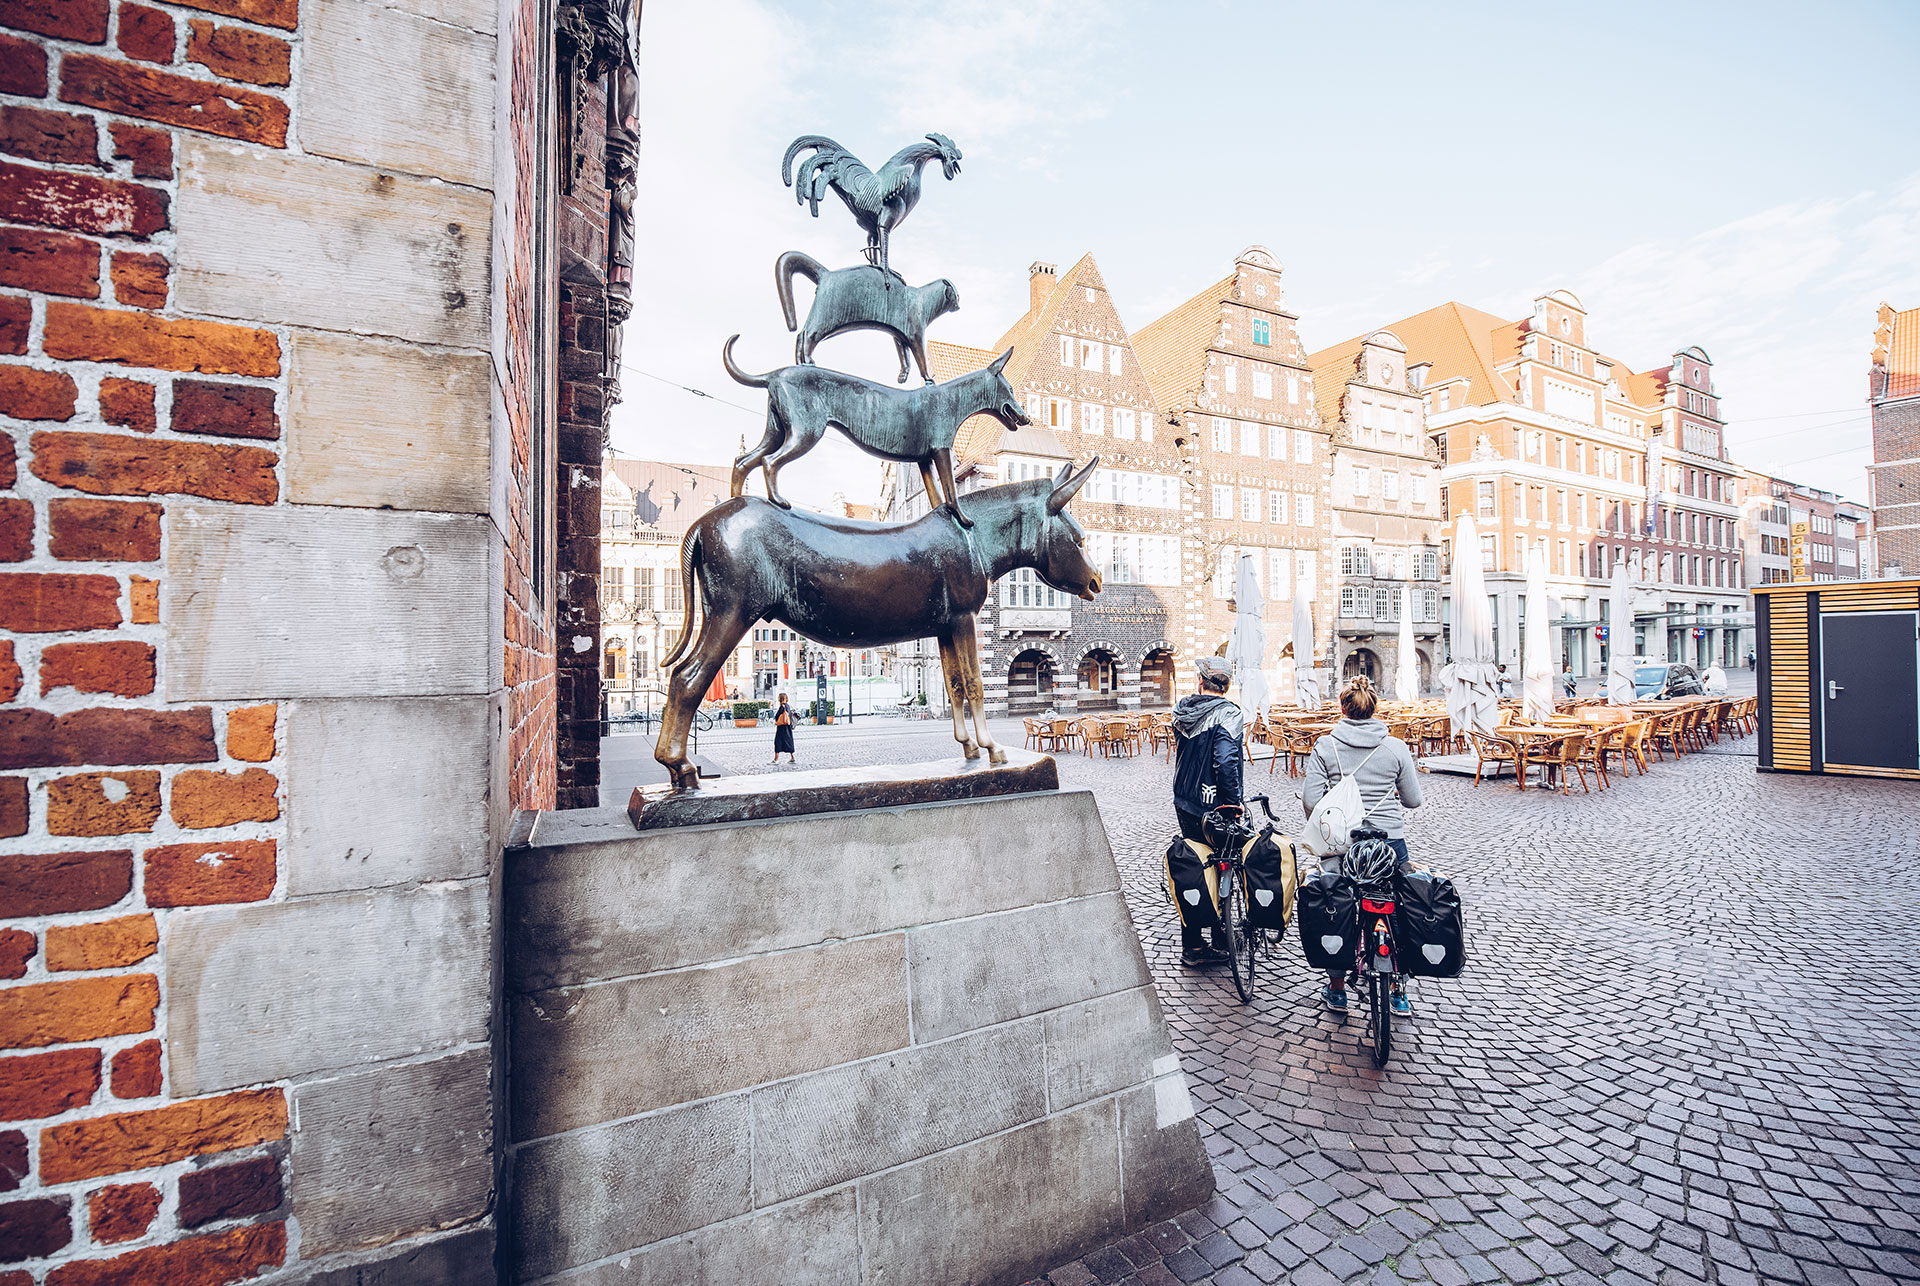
1207, 753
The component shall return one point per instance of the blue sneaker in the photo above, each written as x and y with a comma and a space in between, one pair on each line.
1336, 1001
1400, 1005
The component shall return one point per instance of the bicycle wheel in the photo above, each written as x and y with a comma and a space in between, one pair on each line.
1380, 1015
1232, 926
1245, 938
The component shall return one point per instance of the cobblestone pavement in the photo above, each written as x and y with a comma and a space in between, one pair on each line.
1684, 1049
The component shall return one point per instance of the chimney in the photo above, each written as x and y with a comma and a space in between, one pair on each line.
1040, 283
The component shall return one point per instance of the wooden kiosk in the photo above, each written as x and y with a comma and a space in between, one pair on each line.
1839, 671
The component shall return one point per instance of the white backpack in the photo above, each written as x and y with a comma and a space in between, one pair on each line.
1329, 831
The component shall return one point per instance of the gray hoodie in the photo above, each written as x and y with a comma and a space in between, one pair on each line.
1388, 776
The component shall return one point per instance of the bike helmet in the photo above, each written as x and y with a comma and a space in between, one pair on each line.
1224, 827
1371, 860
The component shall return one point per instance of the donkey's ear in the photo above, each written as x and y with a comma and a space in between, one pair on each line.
1064, 486
999, 363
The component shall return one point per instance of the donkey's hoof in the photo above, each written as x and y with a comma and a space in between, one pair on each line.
970, 750
999, 755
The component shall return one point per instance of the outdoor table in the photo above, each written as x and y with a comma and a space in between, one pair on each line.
1527, 738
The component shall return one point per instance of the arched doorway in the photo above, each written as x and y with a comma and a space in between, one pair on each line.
1426, 670
1030, 683
1099, 681
1361, 660
1156, 678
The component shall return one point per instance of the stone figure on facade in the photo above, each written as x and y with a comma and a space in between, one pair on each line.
917, 424
853, 584
879, 202
862, 298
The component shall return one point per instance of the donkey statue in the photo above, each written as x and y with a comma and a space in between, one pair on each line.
853, 584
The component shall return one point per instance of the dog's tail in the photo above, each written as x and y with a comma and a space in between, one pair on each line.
689, 571
740, 376
783, 269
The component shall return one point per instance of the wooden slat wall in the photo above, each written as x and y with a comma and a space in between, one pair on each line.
1871, 598
1789, 682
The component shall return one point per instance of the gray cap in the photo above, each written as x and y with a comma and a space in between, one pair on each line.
1214, 670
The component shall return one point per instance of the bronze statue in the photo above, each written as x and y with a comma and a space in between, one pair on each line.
862, 298
917, 424
878, 201
852, 584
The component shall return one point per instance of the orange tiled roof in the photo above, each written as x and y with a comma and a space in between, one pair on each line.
1458, 342
1173, 349
1897, 347
1332, 368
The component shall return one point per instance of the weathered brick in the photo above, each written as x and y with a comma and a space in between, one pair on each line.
76, 332
203, 105
16, 945
13, 807
231, 1256
29, 394
146, 34
112, 465
250, 733
284, 14
35, 1228
210, 874
229, 410
59, 137
80, 202
23, 67
104, 531
16, 319
57, 883
10, 676
59, 1013
105, 944
13, 1159
230, 1191
136, 1071
203, 800
239, 54
104, 1145
110, 738
37, 1085
84, 21
52, 262
128, 403
122, 1211
150, 150
37, 602
143, 600
16, 530
123, 667
96, 803
140, 280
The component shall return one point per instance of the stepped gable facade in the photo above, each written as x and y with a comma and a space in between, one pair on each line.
1893, 393
1074, 368
1233, 382
1385, 519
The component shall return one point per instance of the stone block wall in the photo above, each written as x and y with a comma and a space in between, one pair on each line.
275, 662
918, 1044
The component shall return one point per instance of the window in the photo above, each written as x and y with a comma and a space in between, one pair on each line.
1486, 499
1355, 560
1023, 588
615, 583
1666, 567
1113, 359
1066, 350
1222, 501
1249, 504
1222, 434
1249, 438
1419, 488
1223, 573
1277, 442
1520, 501
1350, 600
1122, 421
643, 588
1429, 567
1305, 572
1092, 356
1093, 418
1362, 480
1302, 510
1519, 553
672, 588
1276, 506
1263, 385
1293, 388
1262, 332
1443, 400
1489, 554
1279, 573
1230, 371
1429, 605
1562, 561
1389, 485
1302, 441
615, 667
1127, 558
1059, 413
1560, 504
1386, 604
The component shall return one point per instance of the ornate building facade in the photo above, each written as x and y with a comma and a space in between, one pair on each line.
1893, 394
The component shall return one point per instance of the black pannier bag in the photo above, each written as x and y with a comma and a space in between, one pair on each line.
1328, 910
1193, 885
1271, 877
1433, 938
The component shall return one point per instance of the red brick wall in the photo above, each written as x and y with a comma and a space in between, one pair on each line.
1896, 487
115, 806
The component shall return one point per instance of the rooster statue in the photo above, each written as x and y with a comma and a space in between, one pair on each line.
879, 201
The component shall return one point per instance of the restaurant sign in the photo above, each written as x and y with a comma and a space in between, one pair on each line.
1797, 552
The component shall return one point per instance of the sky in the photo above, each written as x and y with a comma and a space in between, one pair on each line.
1736, 177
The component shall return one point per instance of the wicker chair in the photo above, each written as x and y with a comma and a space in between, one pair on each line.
1571, 752
1491, 750
1633, 742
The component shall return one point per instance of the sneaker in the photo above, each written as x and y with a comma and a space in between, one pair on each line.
1336, 1001
1203, 958
1400, 1005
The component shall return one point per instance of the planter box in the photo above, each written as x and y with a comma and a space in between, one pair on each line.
746, 723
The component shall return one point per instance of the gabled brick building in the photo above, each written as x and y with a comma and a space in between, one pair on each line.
1893, 393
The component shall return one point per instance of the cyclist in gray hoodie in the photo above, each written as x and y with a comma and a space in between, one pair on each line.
1382, 768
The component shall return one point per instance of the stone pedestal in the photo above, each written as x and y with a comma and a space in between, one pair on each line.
910, 1044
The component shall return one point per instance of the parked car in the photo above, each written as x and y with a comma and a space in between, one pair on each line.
1658, 680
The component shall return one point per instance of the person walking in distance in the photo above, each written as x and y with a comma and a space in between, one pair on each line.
1207, 730
783, 731
1382, 768
1568, 683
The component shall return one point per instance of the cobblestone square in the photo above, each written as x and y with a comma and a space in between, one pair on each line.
1684, 1049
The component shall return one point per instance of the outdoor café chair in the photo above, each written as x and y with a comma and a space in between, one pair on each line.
1569, 752
1492, 750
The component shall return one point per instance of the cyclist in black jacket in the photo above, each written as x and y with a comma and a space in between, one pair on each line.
1207, 731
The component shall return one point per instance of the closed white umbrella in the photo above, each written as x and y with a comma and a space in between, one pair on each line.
1538, 662
1406, 680
1247, 646
1620, 639
1306, 692
1470, 679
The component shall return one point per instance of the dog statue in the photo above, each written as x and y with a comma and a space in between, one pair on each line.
863, 298
917, 424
